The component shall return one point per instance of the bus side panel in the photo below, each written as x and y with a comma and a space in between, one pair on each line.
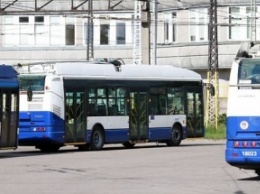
39, 127
117, 135
161, 126
116, 128
160, 133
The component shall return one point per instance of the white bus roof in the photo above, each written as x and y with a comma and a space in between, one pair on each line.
80, 70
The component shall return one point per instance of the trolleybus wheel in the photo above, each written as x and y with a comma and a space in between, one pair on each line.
128, 144
176, 136
97, 139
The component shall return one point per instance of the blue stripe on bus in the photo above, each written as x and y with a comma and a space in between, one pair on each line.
54, 130
122, 135
34, 138
161, 133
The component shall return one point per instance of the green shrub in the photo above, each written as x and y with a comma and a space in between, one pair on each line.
216, 133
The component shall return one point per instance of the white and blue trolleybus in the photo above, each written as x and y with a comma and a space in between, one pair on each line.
88, 105
243, 113
9, 100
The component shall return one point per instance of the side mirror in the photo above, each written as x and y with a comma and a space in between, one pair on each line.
210, 87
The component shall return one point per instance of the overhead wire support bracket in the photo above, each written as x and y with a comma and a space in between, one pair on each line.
112, 7
76, 7
39, 8
10, 4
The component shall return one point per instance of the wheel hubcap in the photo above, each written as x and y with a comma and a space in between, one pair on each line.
176, 135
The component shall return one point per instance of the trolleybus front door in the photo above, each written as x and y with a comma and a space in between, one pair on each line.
138, 116
8, 119
195, 121
75, 117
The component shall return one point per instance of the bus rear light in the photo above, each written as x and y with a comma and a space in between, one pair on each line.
236, 144
244, 144
253, 143
235, 155
47, 87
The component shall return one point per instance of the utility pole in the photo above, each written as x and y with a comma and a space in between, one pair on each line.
253, 21
137, 50
155, 16
90, 47
212, 111
142, 23
146, 25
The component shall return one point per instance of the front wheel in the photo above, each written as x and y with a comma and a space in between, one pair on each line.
176, 136
98, 139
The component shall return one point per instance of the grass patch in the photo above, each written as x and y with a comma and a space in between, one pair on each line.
216, 133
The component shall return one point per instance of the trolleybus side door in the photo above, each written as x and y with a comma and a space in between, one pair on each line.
75, 117
195, 120
8, 119
138, 116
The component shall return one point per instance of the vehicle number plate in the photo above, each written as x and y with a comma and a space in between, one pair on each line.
249, 153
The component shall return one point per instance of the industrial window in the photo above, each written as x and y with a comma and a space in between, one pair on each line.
120, 33
170, 27
11, 35
104, 34
70, 34
199, 25
40, 34
56, 31
241, 23
25, 30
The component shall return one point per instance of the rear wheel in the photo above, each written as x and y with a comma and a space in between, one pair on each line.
176, 136
97, 139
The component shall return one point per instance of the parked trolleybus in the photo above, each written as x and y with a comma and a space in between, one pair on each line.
89, 105
9, 97
243, 112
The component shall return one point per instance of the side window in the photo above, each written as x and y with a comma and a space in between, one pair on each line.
175, 102
92, 102
101, 102
112, 106
158, 101
121, 100
117, 101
